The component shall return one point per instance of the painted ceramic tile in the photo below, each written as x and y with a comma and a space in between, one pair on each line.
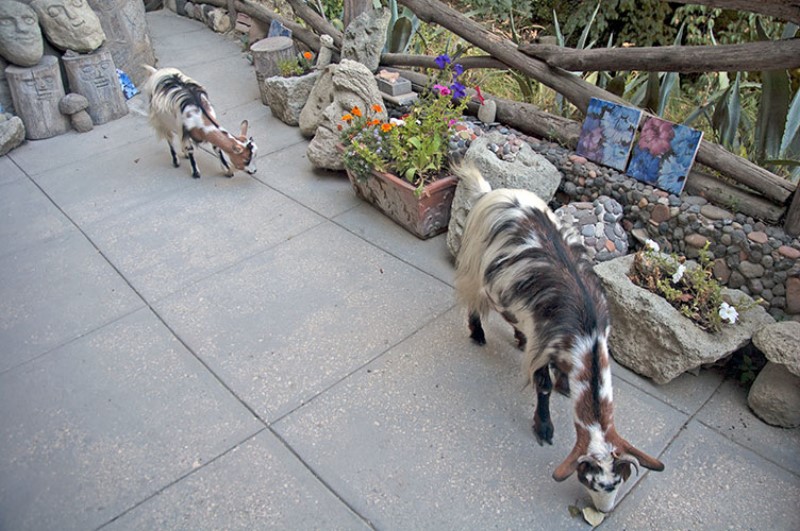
664, 154
607, 133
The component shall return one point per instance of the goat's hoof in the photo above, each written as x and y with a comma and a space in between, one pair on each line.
478, 339
176, 164
195, 176
543, 433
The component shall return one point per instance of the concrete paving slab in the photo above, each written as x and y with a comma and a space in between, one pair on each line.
728, 413
435, 434
429, 255
110, 183
328, 193
258, 485
687, 392
208, 225
287, 324
181, 42
270, 134
218, 75
55, 292
27, 217
711, 483
9, 172
98, 425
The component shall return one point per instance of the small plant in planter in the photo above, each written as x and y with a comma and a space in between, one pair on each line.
296, 66
691, 289
415, 147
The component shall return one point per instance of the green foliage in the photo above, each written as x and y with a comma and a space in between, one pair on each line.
692, 290
401, 30
297, 66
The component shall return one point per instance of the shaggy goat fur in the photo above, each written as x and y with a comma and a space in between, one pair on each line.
518, 259
180, 106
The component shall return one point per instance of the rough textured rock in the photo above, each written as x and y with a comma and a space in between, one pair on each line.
6, 103
72, 103
218, 20
69, 25
529, 171
652, 338
286, 96
12, 133
318, 100
20, 37
127, 36
365, 37
780, 343
775, 396
353, 85
598, 224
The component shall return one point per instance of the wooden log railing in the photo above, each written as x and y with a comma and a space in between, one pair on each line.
788, 10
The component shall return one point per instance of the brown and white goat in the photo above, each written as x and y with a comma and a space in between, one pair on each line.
180, 106
517, 259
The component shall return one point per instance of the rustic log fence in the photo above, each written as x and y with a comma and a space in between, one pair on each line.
766, 195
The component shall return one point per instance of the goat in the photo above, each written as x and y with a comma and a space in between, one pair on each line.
180, 106
518, 259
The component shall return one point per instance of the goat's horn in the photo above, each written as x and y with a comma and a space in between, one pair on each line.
628, 458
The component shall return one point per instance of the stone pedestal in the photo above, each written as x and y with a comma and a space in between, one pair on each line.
36, 92
95, 77
267, 54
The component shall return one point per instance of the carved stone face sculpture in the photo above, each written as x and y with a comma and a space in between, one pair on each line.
20, 37
70, 24
42, 84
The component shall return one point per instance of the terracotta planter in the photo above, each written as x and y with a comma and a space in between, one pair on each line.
424, 216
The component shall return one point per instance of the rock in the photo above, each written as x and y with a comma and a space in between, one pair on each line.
652, 338
775, 396
780, 343
660, 213
12, 133
789, 252
721, 270
319, 99
72, 103
529, 171
81, 122
714, 212
793, 295
325, 52
487, 112
695, 240
353, 85
218, 20
751, 270
21, 43
365, 37
286, 96
758, 236
72, 26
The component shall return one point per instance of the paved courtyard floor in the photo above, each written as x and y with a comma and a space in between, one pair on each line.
268, 351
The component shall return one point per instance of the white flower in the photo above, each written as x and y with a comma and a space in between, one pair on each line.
678, 274
728, 313
653, 246
397, 121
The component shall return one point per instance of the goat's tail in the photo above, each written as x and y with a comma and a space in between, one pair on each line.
471, 181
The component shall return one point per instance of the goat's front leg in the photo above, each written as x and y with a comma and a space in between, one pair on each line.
225, 166
542, 425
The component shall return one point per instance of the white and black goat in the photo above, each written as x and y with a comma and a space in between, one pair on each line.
517, 259
180, 106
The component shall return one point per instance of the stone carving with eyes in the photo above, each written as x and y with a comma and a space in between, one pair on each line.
70, 24
20, 37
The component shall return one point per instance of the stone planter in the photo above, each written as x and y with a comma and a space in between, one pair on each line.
652, 338
424, 216
286, 96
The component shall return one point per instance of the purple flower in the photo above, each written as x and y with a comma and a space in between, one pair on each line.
442, 90
458, 69
459, 91
442, 61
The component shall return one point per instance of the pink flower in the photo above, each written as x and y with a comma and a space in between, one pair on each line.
443, 91
656, 136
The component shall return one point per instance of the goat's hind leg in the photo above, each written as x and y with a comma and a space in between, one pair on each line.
542, 425
188, 150
476, 328
175, 161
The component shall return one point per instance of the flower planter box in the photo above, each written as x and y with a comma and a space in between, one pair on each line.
654, 339
424, 216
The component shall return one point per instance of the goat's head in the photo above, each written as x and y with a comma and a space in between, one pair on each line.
244, 151
602, 466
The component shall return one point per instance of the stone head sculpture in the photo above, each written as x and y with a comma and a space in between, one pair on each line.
70, 24
20, 37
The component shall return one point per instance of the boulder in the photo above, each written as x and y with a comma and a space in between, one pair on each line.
652, 338
353, 85
20, 37
218, 20
365, 37
12, 133
775, 395
70, 25
529, 171
318, 100
286, 96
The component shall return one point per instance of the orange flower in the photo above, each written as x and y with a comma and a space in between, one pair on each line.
386, 128
308, 55
373, 122
356, 111
377, 108
347, 117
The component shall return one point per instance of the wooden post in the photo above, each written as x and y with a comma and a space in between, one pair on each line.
267, 53
36, 92
353, 8
792, 225
94, 76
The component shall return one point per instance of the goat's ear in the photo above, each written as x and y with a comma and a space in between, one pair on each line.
645, 460
244, 126
568, 467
